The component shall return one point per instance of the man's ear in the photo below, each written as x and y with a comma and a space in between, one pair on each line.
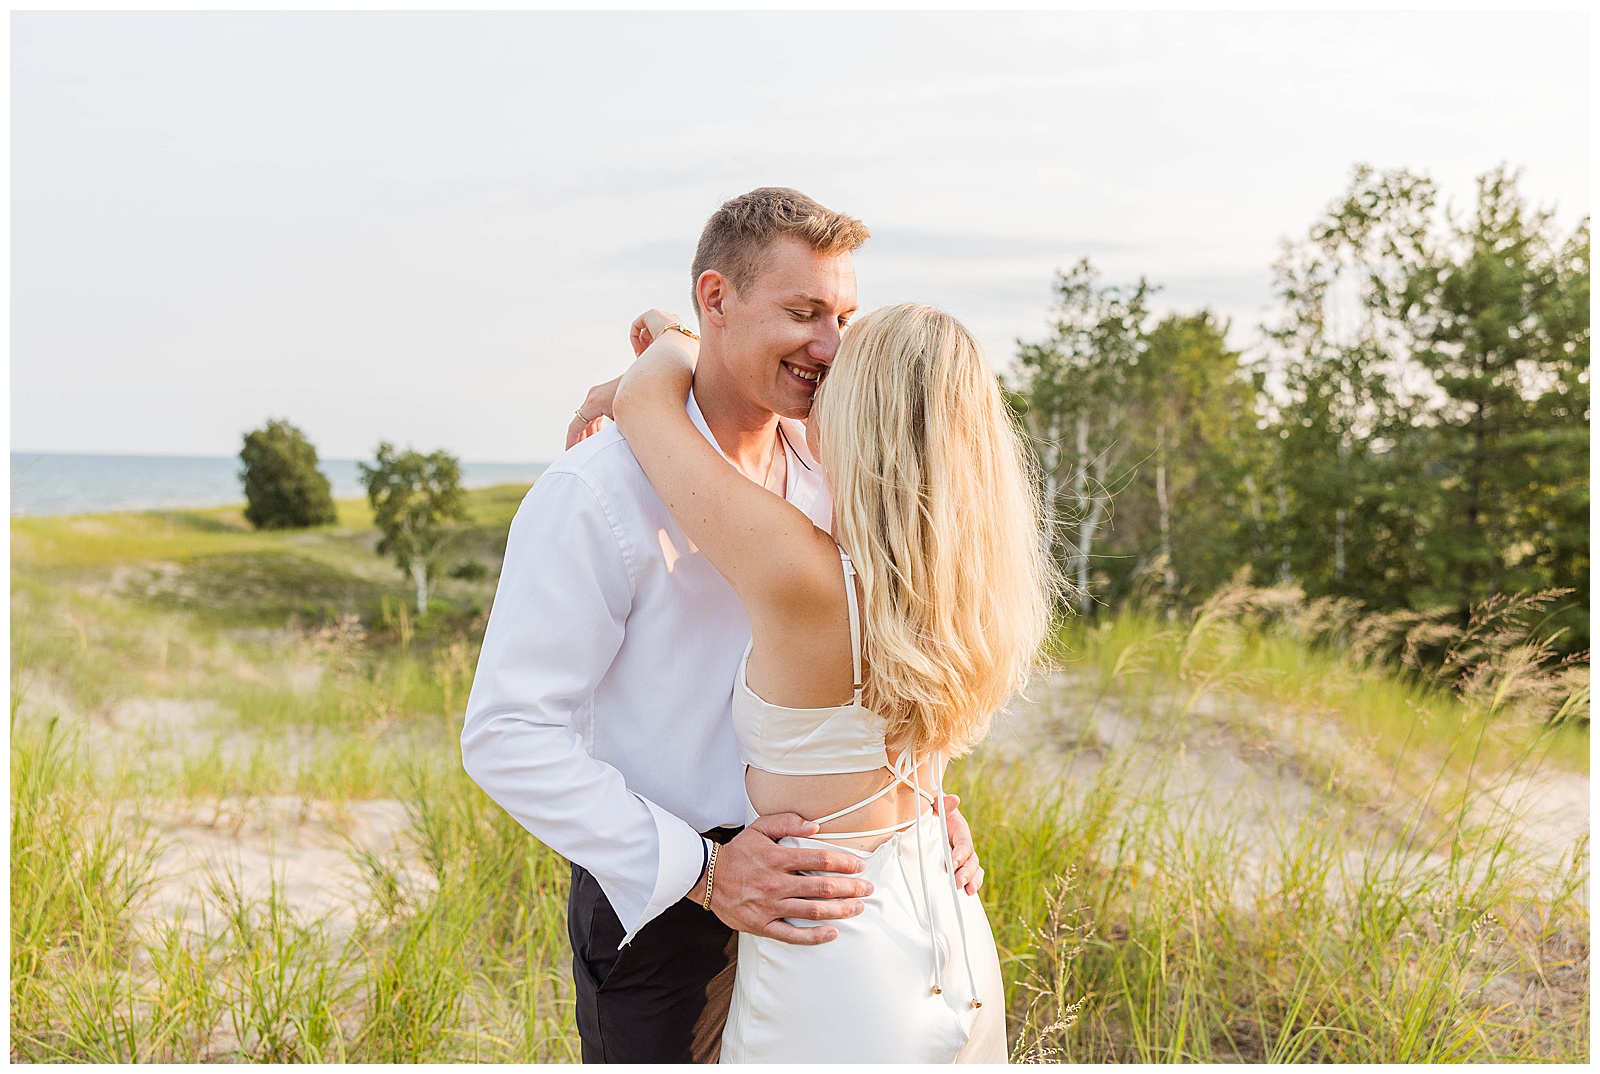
712, 289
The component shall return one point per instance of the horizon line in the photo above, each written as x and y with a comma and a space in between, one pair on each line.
320, 458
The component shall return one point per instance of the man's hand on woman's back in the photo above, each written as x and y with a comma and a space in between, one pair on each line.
759, 883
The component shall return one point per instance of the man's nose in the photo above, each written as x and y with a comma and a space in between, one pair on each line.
825, 343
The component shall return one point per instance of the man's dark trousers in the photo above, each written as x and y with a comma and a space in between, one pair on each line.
663, 998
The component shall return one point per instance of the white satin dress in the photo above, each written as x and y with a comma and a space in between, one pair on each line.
913, 979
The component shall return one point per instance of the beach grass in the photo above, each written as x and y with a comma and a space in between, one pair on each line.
1225, 837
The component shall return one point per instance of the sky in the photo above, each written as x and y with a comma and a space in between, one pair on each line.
435, 228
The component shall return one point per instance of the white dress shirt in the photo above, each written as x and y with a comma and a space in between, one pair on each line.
600, 716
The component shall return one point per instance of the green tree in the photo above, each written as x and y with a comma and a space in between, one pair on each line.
1415, 433
1142, 435
1074, 390
1428, 399
283, 488
414, 499
1553, 516
1194, 421
1349, 489
1501, 313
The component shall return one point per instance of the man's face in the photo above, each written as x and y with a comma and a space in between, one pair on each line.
782, 329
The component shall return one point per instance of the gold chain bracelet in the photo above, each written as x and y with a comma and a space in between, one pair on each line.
711, 873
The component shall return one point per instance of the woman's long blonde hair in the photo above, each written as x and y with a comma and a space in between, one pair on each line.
935, 504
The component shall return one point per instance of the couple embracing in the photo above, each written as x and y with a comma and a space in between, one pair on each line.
738, 636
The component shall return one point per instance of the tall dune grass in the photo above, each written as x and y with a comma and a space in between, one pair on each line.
468, 964
1393, 911
1132, 933
79, 871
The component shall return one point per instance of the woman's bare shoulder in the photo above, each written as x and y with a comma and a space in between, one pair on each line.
802, 577
802, 629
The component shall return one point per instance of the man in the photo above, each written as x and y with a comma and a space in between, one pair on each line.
600, 715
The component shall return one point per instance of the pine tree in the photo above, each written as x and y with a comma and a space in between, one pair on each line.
1501, 311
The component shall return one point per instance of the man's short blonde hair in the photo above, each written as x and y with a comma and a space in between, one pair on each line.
738, 235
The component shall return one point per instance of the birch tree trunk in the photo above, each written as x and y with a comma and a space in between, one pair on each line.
1051, 464
1089, 528
1339, 514
419, 575
1169, 574
1086, 526
1338, 544
1259, 545
1283, 516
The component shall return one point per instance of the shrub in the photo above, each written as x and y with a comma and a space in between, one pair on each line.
283, 487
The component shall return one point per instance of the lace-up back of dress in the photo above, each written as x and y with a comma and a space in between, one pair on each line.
848, 738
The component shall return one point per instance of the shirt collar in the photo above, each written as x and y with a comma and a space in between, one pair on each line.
804, 481
700, 423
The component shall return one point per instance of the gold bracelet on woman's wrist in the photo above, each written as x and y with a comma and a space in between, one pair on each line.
681, 327
711, 874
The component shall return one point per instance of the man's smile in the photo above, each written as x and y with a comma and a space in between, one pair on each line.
810, 376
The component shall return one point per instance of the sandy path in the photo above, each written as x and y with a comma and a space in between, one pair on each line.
305, 848
1225, 775
1216, 775
305, 845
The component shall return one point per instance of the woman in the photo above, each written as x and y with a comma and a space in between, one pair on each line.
878, 653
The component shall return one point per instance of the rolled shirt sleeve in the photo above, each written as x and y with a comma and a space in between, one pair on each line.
557, 624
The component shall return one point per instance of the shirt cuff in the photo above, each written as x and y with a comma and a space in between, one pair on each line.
679, 850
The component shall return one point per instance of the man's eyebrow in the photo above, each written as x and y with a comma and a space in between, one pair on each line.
813, 300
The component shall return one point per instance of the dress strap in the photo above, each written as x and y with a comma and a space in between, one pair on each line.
855, 621
903, 772
955, 891
868, 800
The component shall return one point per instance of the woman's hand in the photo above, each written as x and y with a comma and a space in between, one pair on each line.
969, 874
598, 403
648, 326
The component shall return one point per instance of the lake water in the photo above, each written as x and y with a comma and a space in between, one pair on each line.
77, 484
